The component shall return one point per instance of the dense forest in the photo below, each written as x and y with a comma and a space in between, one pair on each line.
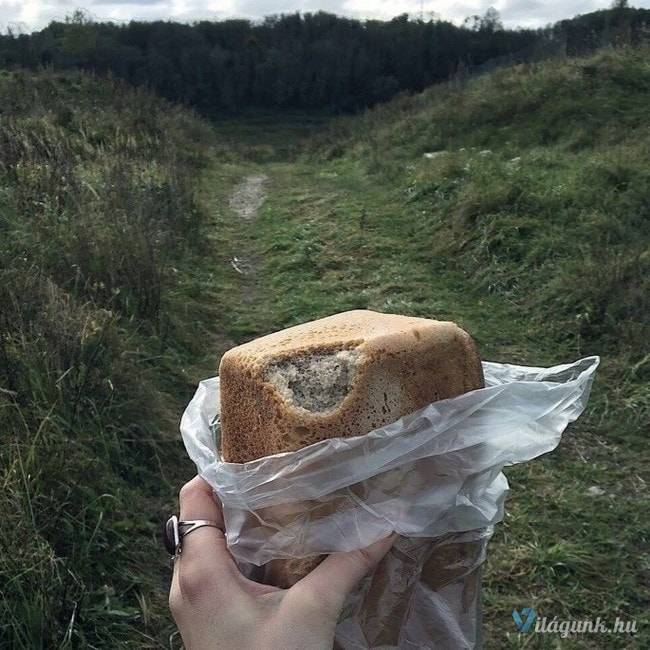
305, 61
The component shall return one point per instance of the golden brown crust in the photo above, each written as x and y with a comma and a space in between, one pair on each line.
404, 363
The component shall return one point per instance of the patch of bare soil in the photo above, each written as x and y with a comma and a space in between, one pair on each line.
248, 196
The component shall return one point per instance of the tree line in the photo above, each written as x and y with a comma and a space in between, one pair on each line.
303, 61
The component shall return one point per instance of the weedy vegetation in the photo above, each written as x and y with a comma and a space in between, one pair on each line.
97, 209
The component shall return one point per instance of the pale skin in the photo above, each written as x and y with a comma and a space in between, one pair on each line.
216, 607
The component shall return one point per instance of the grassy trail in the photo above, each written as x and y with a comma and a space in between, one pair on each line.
323, 241
329, 238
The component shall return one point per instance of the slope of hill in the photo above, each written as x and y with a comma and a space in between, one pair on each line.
97, 217
529, 190
534, 181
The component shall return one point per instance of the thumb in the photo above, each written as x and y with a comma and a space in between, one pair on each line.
338, 574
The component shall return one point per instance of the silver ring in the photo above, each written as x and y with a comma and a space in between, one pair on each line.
174, 531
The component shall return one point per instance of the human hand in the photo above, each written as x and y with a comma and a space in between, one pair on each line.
216, 607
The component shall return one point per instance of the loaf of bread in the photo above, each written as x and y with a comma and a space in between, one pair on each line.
343, 375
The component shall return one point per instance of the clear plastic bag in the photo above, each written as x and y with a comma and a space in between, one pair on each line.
433, 476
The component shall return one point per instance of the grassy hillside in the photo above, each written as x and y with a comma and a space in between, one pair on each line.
99, 218
538, 183
539, 203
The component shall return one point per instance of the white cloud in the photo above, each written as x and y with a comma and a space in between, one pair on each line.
535, 13
35, 14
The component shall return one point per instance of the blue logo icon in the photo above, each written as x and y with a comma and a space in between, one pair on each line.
524, 620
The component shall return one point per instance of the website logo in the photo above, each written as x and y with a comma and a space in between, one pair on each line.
527, 620
524, 619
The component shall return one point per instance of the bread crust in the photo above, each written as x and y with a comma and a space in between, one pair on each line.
403, 364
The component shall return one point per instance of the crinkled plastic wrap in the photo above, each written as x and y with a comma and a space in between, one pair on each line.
433, 476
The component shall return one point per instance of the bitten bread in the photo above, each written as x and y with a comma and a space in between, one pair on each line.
344, 375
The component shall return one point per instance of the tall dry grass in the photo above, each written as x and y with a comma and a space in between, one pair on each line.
97, 209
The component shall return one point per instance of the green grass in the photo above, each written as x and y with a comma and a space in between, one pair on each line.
122, 294
541, 184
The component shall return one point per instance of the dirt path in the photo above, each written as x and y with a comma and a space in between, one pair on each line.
248, 196
246, 199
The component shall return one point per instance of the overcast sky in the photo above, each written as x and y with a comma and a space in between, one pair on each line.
28, 15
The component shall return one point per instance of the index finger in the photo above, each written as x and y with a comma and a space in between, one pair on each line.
198, 501
205, 564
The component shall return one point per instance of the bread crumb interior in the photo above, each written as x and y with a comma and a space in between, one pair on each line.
315, 382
